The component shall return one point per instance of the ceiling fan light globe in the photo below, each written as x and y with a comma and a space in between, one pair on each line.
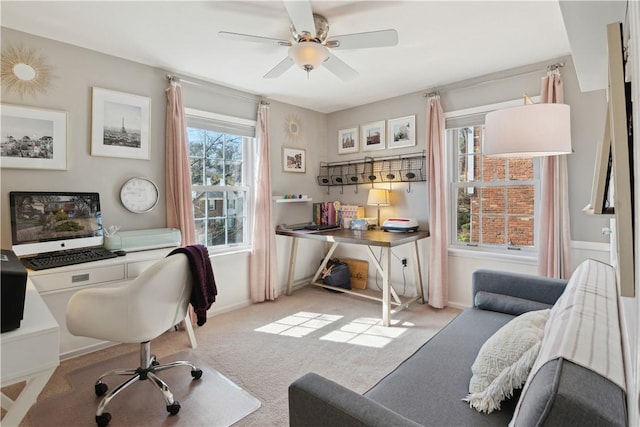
308, 55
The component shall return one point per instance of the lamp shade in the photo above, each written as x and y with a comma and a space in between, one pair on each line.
377, 197
308, 55
528, 131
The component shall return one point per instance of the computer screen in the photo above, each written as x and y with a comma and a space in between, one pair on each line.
52, 221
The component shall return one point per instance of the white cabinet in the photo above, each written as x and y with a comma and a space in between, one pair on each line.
56, 286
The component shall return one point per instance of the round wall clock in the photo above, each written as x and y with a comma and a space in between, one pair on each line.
139, 195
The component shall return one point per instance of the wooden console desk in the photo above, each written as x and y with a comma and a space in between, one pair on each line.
370, 239
29, 353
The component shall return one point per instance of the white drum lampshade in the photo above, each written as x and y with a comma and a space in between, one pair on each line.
528, 131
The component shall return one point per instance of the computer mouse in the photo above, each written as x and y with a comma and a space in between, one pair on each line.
120, 252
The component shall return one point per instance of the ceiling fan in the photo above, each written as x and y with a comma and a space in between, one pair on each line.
310, 46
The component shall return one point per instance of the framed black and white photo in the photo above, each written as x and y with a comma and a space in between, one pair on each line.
402, 132
293, 160
33, 138
372, 136
120, 125
348, 141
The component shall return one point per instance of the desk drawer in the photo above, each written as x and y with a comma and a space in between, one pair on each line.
134, 269
71, 279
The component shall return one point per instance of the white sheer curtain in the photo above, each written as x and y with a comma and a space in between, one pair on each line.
263, 274
177, 171
438, 273
554, 258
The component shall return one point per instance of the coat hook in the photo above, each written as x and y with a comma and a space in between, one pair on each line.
409, 188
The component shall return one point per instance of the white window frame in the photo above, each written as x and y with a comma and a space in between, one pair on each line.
248, 158
453, 185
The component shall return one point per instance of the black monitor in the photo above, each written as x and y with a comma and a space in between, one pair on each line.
45, 221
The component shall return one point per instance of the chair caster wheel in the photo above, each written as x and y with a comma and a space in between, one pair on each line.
101, 388
196, 374
174, 408
103, 420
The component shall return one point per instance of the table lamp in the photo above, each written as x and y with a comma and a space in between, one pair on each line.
378, 197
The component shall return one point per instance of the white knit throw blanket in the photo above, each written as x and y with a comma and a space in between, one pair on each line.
584, 325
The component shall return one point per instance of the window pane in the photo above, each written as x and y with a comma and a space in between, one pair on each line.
233, 148
475, 228
196, 142
520, 231
216, 233
494, 168
236, 229
520, 200
492, 200
197, 177
464, 215
493, 230
199, 205
233, 173
520, 169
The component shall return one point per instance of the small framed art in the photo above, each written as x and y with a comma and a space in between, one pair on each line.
294, 160
402, 132
120, 125
373, 136
33, 138
348, 141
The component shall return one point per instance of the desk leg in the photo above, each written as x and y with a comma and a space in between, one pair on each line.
386, 283
324, 262
16, 410
189, 327
418, 272
292, 264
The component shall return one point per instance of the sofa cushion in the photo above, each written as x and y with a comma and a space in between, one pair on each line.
428, 386
506, 303
505, 360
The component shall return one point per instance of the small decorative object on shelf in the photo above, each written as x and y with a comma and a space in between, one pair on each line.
291, 198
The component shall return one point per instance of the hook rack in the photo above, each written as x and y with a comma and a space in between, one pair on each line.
388, 169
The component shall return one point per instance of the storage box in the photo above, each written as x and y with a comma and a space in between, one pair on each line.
351, 212
359, 270
13, 285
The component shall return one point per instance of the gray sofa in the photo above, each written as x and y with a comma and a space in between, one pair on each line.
427, 388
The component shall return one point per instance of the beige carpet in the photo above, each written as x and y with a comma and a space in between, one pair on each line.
213, 400
264, 347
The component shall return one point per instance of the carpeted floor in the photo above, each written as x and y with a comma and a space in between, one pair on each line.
264, 347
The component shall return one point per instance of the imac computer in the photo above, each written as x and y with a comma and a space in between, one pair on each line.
43, 222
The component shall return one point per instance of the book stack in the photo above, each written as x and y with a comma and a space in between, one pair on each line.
326, 213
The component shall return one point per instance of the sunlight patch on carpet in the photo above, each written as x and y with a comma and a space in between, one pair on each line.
368, 332
299, 325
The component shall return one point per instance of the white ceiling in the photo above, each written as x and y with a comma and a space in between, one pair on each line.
440, 42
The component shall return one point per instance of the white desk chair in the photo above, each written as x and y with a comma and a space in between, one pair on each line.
136, 313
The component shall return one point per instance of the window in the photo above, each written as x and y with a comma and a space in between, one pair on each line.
492, 199
219, 157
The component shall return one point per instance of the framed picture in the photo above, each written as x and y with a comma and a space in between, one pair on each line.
348, 141
372, 137
293, 160
33, 138
120, 125
402, 132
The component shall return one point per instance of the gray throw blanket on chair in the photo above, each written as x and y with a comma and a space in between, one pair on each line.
203, 291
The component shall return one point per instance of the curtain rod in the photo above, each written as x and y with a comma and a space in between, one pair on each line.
453, 86
178, 79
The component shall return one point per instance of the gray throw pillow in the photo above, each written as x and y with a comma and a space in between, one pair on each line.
507, 304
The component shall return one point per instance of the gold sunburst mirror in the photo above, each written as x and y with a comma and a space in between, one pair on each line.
292, 127
24, 71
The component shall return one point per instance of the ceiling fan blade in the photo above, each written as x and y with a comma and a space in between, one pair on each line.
279, 69
301, 16
340, 68
253, 39
364, 40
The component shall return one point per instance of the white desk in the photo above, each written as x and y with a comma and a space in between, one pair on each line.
29, 353
57, 285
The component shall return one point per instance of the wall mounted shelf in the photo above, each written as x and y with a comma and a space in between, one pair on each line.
370, 170
281, 199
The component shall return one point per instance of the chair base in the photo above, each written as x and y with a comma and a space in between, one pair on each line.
148, 367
